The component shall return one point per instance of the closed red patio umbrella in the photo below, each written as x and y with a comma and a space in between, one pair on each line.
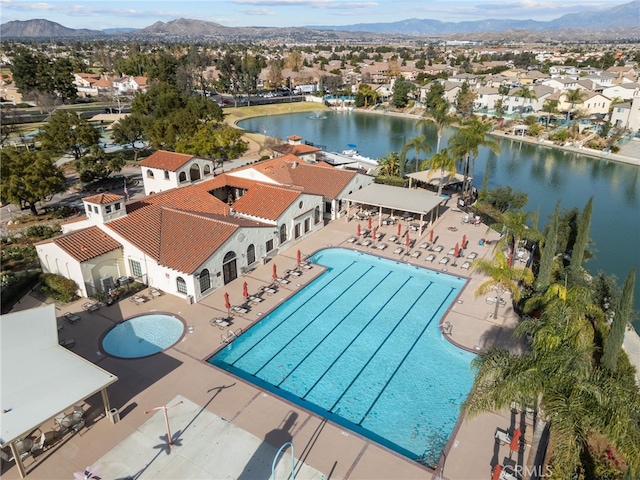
399, 229
515, 440
375, 234
369, 223
464, 241
358, 231
456, 251
407, 240
245, 290
274, 275
431, 236
299, 257
497, 470
227, 304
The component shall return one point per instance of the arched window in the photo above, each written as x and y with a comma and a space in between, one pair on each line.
207, 170
229, 267
150, 173
182, 177
205, 280
251, 254
316, 215
181, 285
283, 233
194, 172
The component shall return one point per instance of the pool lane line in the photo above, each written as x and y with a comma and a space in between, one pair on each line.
329, 305
336, 326
275, 327
404, 316
364, 327
415, 342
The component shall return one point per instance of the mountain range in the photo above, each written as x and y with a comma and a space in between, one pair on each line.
622, 19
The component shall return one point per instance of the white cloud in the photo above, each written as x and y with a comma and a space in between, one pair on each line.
318, 4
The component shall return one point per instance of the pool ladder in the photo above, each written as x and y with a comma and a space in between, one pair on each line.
230, 335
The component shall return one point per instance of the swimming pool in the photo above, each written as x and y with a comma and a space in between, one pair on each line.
143, 335
360, 345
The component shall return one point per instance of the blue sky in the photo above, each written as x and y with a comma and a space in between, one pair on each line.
100, 14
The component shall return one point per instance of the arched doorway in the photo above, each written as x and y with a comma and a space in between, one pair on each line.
194, 172
229, 267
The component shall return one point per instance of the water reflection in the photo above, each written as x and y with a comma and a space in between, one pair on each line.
547, 175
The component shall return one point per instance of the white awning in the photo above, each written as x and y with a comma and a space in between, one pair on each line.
432, 177
396, 198
40, 378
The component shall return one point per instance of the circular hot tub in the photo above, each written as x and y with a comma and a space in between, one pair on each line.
143, 335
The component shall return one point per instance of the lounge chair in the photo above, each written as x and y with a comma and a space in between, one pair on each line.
67, 342
281, 280
138, 299
295, 273
366, 242
240, 310
71, 317
492, 300
255, 299
90, 307
425, 245
444, 260
503, 437
221, 323
438, 249
466, 265
269, 290
430, 258
472, 256
352, 240
381, 246
415, 253
306, 266
451, 251
399, 250
154, 292
393, 238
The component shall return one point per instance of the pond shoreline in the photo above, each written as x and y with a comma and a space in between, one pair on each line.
615, 157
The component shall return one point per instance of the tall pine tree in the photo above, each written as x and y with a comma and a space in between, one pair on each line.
613, 341
548, 253
582, 240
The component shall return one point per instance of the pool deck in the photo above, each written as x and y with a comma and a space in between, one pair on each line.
264, 421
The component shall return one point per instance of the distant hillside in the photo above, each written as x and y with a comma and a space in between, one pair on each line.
621, 16
41, 28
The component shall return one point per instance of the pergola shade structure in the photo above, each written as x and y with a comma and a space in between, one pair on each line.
417, 201
40, 378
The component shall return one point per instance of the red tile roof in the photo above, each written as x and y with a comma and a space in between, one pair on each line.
103, 198
296, 149
294, 172
86, 244
181, 228
266, 201
164, 160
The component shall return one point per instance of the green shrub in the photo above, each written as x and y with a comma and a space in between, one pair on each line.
615, 148
58, 287
395, 181
42, 232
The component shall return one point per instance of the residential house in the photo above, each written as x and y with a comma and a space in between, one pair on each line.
562, 83
623, 91
486, 98
595, 104
627, 115
128, 85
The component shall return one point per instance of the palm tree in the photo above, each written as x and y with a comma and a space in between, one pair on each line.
417, 144
573, 97
502, 278
389, 165
440, 117
445, 163
466, 142
515, 230
525, 93
550, 107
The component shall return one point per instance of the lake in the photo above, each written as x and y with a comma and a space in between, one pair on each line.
547, 175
